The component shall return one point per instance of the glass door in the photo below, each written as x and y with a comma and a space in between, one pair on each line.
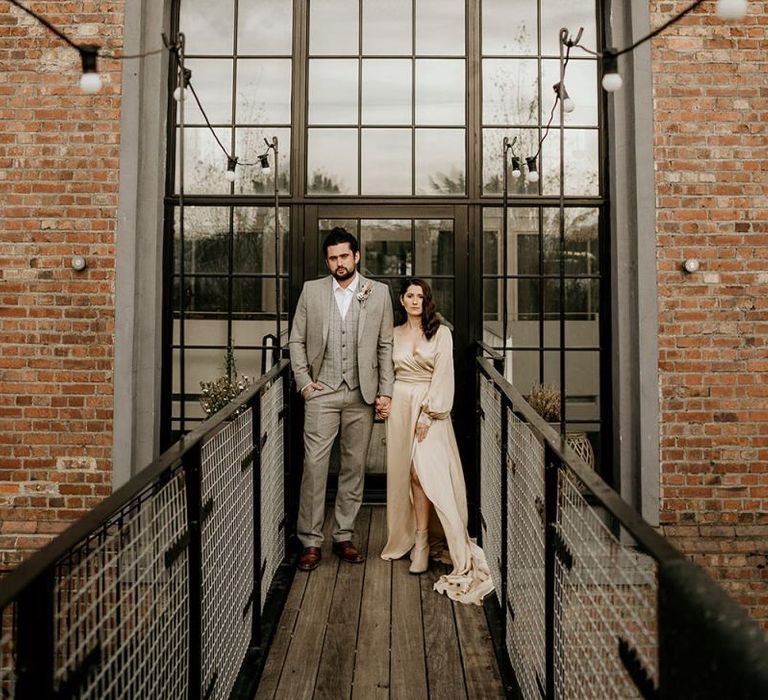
396, 242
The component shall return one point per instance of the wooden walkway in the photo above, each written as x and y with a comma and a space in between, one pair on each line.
375, 631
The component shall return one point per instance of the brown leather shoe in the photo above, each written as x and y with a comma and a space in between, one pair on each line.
346, 550
310, 558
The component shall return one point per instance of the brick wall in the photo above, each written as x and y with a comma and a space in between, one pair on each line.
58, 188
711, 152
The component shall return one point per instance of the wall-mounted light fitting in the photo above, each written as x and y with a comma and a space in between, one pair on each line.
180, 92
533, 172
77, 263
231, 165
90, 81
568, 104
264, 162
691, 265
612, 81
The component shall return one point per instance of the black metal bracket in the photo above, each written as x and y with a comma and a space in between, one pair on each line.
174, 551
248, 603
637, 672
248, 459
71, 686
562, 551
263, 441
510, 610
206, 510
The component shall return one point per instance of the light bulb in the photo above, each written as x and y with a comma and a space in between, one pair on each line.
612, 82
179, 94
533, 171
90, 83
264, 162
691, 265
516, 167
568, 105
230, 175
266, 171
731, 9
533, 176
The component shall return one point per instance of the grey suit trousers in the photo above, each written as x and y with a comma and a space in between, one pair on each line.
325, 414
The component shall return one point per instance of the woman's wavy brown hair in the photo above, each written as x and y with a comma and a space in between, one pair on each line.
430, 319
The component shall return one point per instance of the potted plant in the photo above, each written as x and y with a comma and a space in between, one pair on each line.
545, 400
219, 392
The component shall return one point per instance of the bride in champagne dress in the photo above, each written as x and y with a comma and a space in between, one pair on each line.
424, 474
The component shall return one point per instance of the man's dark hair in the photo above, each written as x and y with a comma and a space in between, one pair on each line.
339, 235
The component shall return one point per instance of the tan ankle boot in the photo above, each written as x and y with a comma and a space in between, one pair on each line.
420, 553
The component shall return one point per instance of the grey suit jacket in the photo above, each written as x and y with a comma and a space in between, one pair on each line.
309, 335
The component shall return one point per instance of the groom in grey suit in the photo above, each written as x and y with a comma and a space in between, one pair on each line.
341, 356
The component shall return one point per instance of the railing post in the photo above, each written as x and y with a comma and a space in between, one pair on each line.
256, 470
504, 514
35, 639
551, 469
191, 462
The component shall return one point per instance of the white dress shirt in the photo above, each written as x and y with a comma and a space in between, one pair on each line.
344, 295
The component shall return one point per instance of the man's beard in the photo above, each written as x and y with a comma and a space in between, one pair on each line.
341, 276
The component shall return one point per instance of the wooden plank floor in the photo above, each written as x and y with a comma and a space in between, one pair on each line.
376, 631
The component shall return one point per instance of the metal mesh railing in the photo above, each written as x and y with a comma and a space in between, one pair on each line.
227, 553
604, 593
525, 558
594, 603
272, 486
7, 653
490, 477
153, 594
121, 602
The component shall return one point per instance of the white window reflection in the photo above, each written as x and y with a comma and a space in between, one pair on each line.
212, 80
204, 161
264, 91
581, 84
440, 91
387, 27
510, 91
387, 91
581, 163
249, 143
440, 28
333, 91
386, 161
556, 14
440, 162
510, 27
209, 27
333, 27
264, 28
493, 158
332, 161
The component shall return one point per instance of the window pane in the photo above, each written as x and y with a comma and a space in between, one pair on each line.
509, 27
510, 91
204, 161
249, 145
556, 14
208, 27
525, 369
581, 84
264, 27
493, 159
440, 92
386, 91
386, 161
333, 91
204, 228
434, 247
212, 80
581, 240
440, 27
443, 295
440, 162
387, 27
332, 161
385, 247
257, 295
254, 243
333, 27
264, 91
581, 163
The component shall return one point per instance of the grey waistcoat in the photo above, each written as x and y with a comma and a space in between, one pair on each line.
340, 359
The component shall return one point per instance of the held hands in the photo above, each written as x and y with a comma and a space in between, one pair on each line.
383, 404
307, 390
421, 430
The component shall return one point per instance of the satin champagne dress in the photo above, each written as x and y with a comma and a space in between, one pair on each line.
424, 387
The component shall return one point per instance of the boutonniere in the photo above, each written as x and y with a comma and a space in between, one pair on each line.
362, 295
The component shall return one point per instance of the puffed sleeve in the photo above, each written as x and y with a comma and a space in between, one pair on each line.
439, 401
